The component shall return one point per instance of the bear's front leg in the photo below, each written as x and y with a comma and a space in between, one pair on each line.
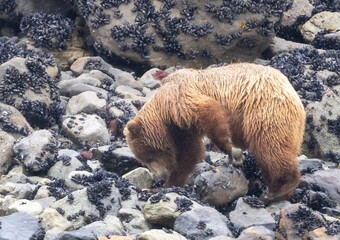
212, 121
189, 151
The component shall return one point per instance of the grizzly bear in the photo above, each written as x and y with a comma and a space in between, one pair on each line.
241, 105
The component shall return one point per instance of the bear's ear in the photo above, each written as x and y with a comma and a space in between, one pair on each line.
134, 127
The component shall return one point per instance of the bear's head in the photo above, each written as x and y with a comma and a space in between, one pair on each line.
152, 147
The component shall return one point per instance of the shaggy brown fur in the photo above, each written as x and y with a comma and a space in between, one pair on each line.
243, 105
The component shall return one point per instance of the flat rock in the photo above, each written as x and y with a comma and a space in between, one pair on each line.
157, 234
325, 180
165, 211
6, 150
140, 177
127, 92
16, 123
85, 102
257, 232
81, 207
36, 151
202, 223
86, 128
245, 216
32, 208
221, 185
20, 226
299, 8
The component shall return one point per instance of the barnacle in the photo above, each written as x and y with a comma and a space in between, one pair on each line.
199, 30
113, 3
99, 18
223, 39
7, 6
47, 30
86, 7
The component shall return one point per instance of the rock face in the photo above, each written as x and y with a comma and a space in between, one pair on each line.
321, 21
192, 33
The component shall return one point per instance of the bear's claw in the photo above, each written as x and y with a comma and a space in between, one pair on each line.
237, 157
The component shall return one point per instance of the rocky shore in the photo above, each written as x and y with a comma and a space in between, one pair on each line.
71, 76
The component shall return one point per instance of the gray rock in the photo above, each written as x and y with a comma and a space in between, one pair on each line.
245, 216
328, 109
221, 238
36, 151
94, 79
6, 150
257, 232
15, 175
11, 115
71, 184
86, 128
78, 88
297, 219
157, 234
84, 64
202, 223
17, 190
79, 234
102, 77
320, 21
81, 207
217, 156
22, 7
53, 222
147, 79
32, 208
325, 179
118, 106
121, 162
67, 153
123, 152
279, 45
140, 177
34, 104
298, 9
62, 171
85, 102
127, 79
166, 210
310, 164
127, 92
45, 202
20, 226
221, 185
111, 225
133, 220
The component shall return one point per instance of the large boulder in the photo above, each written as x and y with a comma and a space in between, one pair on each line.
192, 33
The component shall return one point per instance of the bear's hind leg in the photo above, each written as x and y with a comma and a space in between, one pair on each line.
280, 174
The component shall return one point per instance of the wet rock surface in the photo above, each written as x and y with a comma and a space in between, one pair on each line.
71, 78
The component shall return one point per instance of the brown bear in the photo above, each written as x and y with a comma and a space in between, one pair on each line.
241, 105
